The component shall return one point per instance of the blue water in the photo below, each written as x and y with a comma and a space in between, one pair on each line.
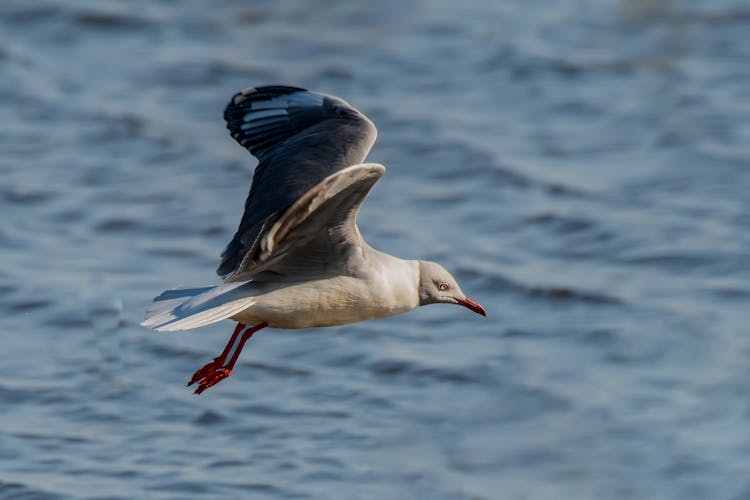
581, 166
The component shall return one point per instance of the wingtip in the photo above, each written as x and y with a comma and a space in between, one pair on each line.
240, 96
364, 169
353, 173
376, 168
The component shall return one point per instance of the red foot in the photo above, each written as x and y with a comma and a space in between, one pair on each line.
213, 378
220, 368
208, 367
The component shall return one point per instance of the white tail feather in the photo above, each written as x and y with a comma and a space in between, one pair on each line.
185, 308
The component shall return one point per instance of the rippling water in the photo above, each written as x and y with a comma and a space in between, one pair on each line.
581, 166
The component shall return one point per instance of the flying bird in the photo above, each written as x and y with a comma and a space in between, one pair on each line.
298, 259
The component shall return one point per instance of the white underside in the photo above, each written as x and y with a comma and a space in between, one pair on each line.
333, 301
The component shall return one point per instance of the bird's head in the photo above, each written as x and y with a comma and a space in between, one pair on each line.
436, 285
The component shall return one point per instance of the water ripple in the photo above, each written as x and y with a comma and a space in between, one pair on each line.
583, 176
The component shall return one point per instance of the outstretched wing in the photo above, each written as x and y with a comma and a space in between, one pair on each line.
300, 138
317, 236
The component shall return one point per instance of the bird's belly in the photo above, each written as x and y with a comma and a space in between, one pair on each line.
308, 305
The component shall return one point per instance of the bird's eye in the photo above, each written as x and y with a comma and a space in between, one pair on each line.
443, 286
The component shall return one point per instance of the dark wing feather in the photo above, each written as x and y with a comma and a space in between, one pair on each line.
318, 235
299, 138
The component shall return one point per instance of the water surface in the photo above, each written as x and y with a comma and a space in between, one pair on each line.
580, 166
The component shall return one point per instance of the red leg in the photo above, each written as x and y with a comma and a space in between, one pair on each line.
245, 336
219, 369
218, 361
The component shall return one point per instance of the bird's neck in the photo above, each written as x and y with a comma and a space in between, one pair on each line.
394, 280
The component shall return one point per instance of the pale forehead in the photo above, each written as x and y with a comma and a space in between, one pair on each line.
437, 271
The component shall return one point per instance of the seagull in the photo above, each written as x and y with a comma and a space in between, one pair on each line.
298, 259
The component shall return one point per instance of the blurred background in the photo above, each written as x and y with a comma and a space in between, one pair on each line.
581, 166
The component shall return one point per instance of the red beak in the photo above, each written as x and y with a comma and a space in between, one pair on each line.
471, 304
